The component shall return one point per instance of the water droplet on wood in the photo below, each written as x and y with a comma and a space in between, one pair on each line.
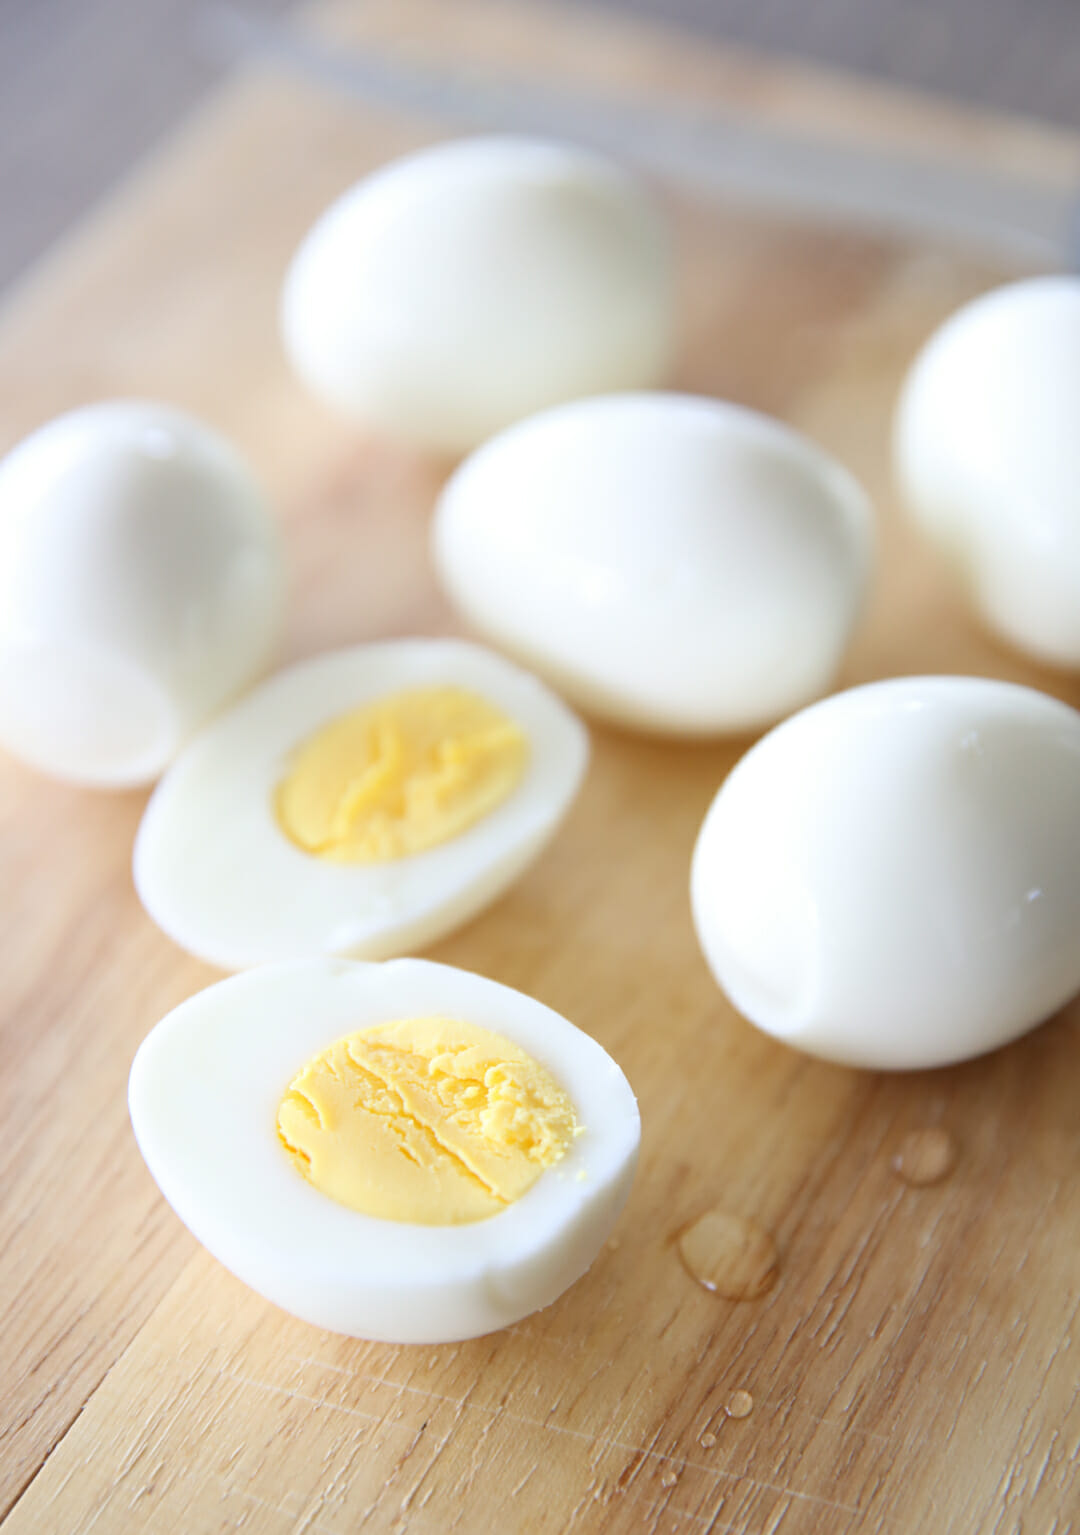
925, 1157
740, 1404
730, 1255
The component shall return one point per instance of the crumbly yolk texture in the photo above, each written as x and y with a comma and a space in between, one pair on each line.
400, 775
428, 1120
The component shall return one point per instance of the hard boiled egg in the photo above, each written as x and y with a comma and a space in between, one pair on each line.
988, 458
363, 803
141, 587
403, 1151
670, 563
892, 877
465, 286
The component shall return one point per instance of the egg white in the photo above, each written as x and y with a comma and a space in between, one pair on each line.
670, 563
476, 281
891, 878
142, 586
204, 1093
219, 876
987, 457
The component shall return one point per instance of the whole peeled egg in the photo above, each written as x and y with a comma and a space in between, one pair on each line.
669, 563
141, 587
400, 1151
891, 878
988, 458
473, 283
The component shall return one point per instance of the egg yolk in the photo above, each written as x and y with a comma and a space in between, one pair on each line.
399, 776
428, 1120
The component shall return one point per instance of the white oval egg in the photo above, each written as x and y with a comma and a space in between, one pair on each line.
205, 1094
669, 563
987, 457
892, 877
218, 873
465, 286
141, 587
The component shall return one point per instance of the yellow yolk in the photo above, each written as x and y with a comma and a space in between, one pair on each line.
427, 1120
400, 775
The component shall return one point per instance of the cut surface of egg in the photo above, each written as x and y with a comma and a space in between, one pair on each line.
400, 1151
669, 563
892, 877
364, 803
988, 458
141, 587
473, 283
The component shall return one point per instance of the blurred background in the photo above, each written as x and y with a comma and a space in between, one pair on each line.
88, 86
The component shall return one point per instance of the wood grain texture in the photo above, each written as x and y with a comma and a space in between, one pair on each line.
915, 1366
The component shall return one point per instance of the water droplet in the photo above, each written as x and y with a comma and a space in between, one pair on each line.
925, 1156
669, 1478
740, 1404
707, 1441
731, 1256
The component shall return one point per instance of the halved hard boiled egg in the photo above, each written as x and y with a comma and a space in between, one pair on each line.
361, 803
401, 1151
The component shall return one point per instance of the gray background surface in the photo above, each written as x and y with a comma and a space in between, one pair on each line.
87, 86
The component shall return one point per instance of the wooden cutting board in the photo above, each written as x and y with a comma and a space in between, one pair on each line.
913, 1368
